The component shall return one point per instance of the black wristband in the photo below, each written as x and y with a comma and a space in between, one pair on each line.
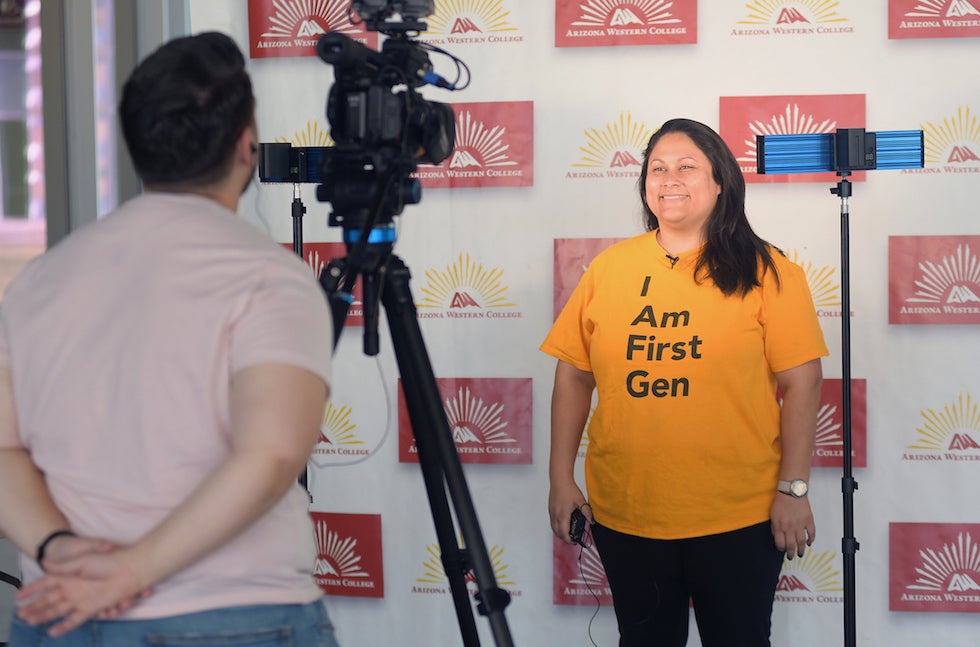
47, 540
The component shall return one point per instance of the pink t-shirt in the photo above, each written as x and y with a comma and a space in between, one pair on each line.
121, 341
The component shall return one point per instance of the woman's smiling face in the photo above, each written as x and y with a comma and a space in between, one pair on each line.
680, 185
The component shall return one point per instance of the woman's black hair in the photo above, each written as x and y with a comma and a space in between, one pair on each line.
732, 251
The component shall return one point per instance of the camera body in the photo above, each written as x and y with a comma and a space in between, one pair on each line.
364, 110
382, 127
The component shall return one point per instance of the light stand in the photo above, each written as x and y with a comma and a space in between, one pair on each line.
282, 162
843, 151
849, 544
298, 209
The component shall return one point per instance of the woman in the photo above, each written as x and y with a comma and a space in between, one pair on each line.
686, 332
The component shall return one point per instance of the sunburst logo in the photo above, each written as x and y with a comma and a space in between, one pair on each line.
478, 145
615, 150
591, 574
793, 18
312, 135
465, 290
315, 262
828, 428
953, 144
292, 27
811, 578
950, 433
336, 556
824, 289
793, 120
348, 558
953, 281
470, 21
434, 579
473, 421
337, 429
953, 568
618, 14
625, 22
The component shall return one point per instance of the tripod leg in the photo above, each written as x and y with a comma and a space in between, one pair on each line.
440, 464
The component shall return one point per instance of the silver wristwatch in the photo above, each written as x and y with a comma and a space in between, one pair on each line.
796, 488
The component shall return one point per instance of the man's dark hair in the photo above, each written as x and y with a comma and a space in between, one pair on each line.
732, 251
183, 108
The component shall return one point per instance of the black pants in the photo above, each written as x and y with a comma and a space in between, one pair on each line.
730, 578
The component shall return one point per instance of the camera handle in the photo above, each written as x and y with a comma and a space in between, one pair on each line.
849, 544
384, 274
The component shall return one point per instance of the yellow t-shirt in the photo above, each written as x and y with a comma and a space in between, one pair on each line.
684, 440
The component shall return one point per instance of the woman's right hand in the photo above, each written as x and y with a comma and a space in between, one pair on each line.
562, 500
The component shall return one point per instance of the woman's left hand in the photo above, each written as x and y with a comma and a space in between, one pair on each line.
793, 528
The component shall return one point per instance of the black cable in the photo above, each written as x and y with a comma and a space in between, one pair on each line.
588, 585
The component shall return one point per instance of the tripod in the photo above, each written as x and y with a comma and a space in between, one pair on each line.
849, 544
385, 277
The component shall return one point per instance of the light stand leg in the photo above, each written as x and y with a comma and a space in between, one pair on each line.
849, 544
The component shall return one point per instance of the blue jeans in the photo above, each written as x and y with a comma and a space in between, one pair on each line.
272, 625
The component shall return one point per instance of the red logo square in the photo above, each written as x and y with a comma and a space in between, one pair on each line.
829, 449
579, 578
349, 559
933, 280
933, 567
489, 418
280, 29
494, 147
626, 22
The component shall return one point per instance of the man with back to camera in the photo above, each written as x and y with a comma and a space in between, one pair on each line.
163, 375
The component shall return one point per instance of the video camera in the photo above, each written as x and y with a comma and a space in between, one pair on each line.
381, 133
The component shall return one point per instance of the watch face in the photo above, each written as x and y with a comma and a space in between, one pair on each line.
798, 488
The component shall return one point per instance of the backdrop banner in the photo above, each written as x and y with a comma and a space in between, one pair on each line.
549, 134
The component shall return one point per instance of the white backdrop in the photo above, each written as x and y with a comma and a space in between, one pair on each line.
910, 369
